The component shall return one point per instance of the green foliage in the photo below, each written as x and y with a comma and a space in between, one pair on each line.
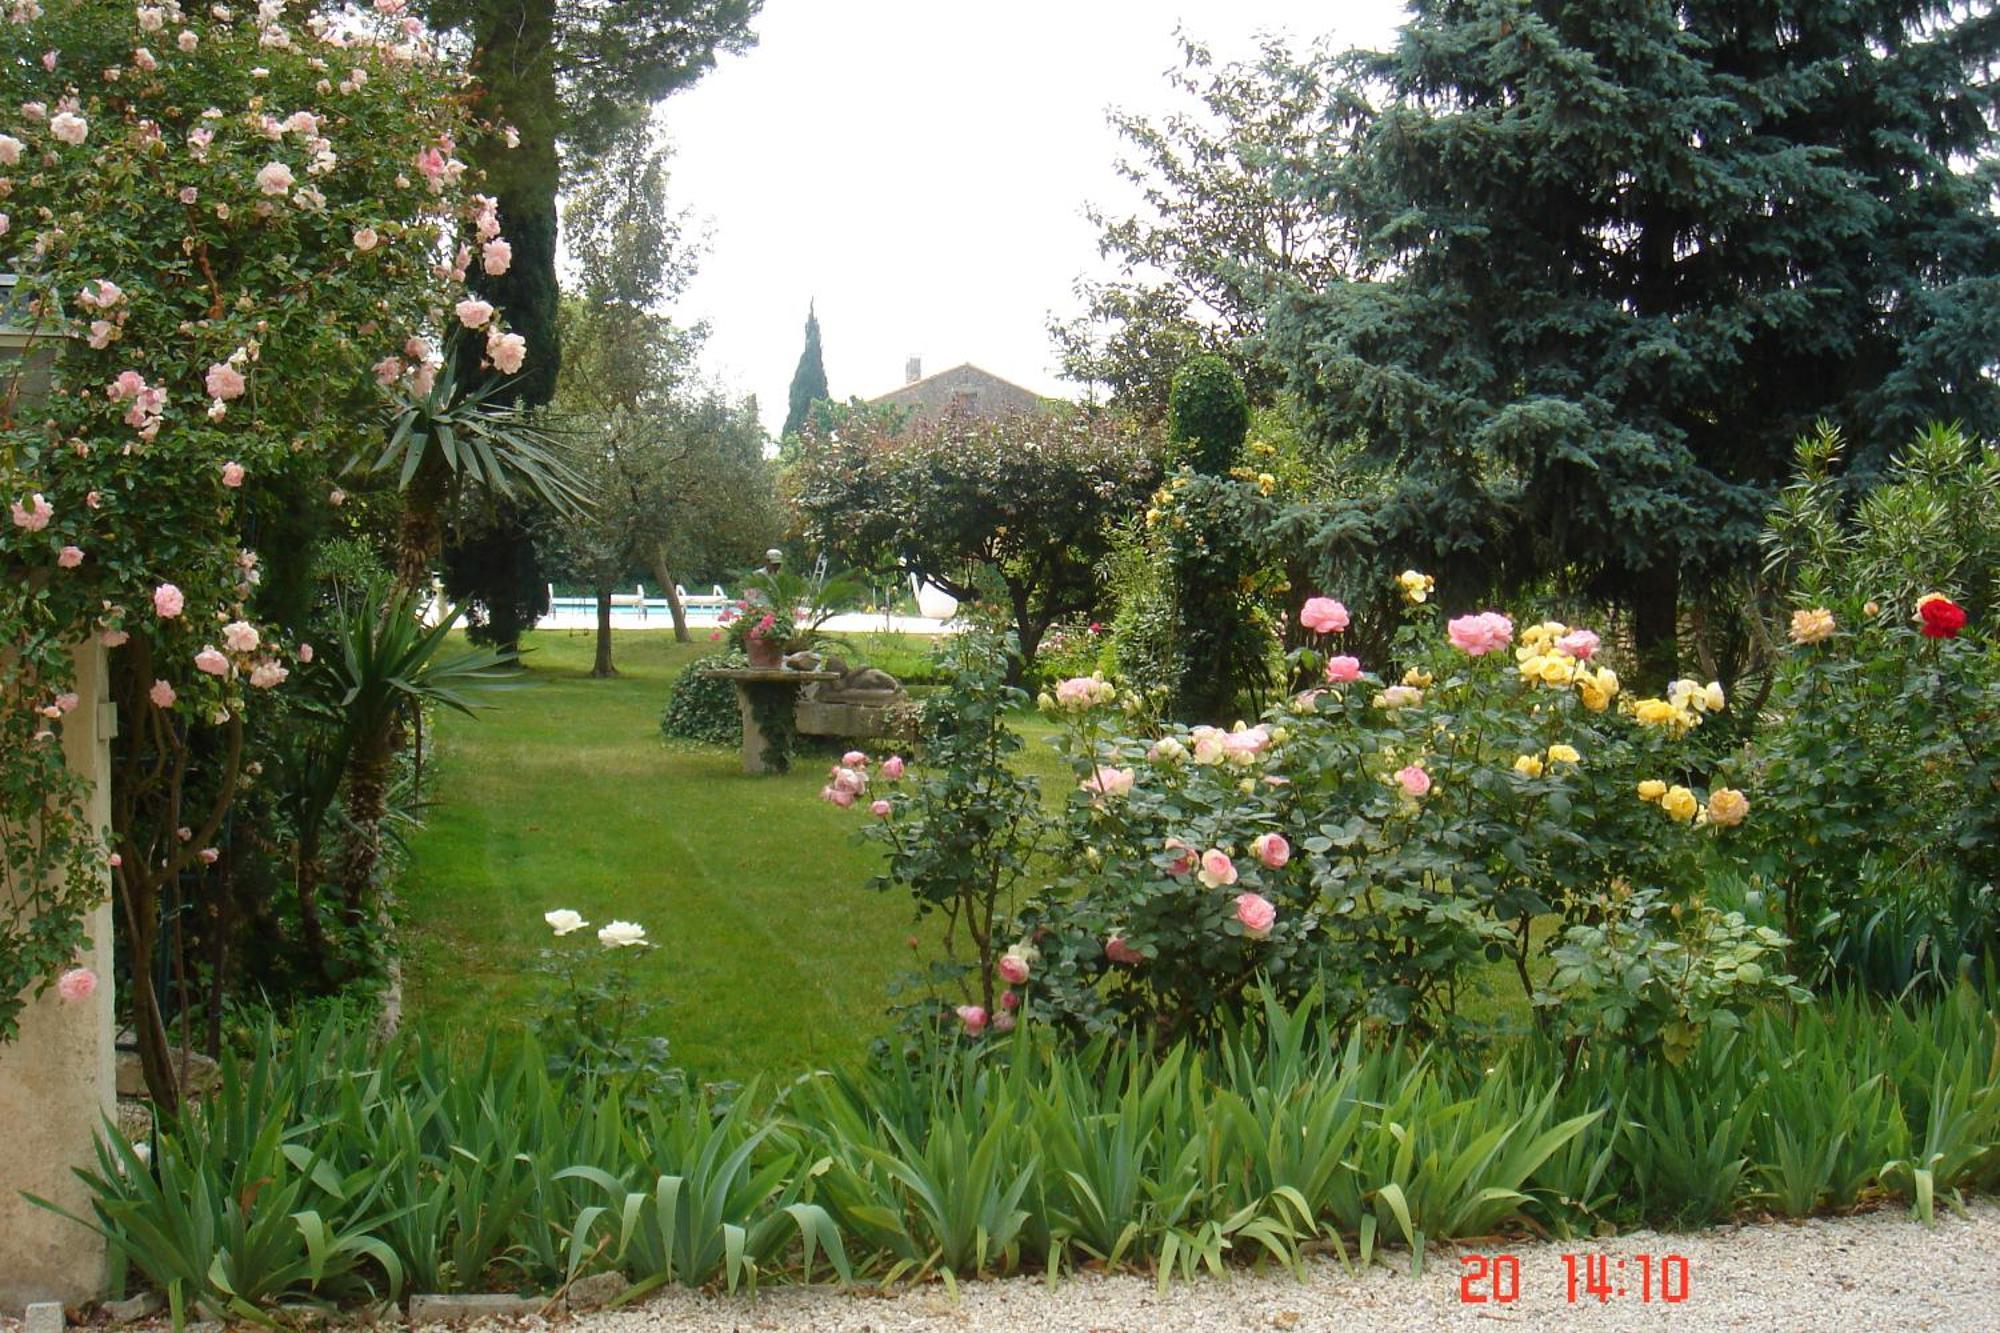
701, 707
1021, 508
1880, 831
808, 381
1655, 975
1208, 415
328, 1168
590, 1012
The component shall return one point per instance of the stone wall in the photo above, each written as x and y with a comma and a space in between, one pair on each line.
56, 1080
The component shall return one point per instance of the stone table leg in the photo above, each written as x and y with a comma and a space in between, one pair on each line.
753, 735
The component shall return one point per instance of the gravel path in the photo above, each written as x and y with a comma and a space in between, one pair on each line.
1872, 1273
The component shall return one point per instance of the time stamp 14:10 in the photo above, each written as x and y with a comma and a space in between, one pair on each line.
1496, 1278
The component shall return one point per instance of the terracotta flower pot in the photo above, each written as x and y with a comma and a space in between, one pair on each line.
763, 653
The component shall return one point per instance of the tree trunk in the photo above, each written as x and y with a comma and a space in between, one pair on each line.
665, 578
602, 667
420, 534
367, 804
1656, 624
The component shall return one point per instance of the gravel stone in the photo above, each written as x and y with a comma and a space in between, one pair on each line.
1876, 1272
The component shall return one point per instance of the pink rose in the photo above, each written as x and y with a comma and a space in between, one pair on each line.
114, 860
1183, 863
1340, 670
267, 675
35, 515
837, 796
274, 178
509, 352
366, 239
209, 856
892, 767
1010, 999
1118, 951
1414, 779
1105, 781
232, 475
1013, 968
162, 694
1578, 643
305, 652
1003, 1021
66, 702
1476, 636
93, 499
880, 809
974, 1019
1272, 849
224, 381
1254, 910
113, 638
69, 557
850, 780
474, 313
1323, 615
69, 127
168, 601
854, 759
211, 661
79, 983
496, 257
1240, 747
240, 636
1217, 870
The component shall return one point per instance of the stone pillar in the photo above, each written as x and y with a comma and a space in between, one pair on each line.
57, 1082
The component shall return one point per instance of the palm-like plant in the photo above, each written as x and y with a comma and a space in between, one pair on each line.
457, 436
386, 667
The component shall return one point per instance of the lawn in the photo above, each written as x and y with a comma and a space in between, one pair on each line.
773, 956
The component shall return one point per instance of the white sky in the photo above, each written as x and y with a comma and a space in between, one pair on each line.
919, 168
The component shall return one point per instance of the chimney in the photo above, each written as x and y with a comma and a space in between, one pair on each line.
913, 370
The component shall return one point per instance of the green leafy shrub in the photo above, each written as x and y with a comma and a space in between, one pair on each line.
702, 708
1879, 773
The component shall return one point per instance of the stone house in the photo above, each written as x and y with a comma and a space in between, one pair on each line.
964, 388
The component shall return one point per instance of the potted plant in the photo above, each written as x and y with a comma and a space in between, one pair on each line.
762, 631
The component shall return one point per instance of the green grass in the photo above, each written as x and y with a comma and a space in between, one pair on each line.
772, 957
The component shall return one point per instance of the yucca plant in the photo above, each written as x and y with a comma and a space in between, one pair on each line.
455, 438
386, 665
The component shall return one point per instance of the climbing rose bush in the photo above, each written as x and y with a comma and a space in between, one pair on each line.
237, 240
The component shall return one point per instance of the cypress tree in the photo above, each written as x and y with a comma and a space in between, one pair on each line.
808, 381
1614, 259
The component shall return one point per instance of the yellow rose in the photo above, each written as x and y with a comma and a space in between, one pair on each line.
1416, 587
1727, 806
1655, 712
1529, 765
1594, 699
1564, 754
1814, 626
1711, 698
1679, 803
1420, 679
1557, 670
1607, 680
1652, 789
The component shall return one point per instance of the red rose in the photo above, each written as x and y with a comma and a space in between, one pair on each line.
1942, 618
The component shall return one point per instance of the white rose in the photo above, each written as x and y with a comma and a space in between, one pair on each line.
621, 934
563, 921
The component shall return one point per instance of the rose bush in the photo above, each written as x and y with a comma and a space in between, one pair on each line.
1372, 840
236, 241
